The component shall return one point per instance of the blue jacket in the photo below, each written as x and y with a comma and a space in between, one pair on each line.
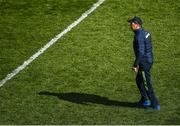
142, 45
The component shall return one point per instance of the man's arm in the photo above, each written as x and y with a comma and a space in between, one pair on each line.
140, 50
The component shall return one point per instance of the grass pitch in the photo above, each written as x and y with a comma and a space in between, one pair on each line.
86, 77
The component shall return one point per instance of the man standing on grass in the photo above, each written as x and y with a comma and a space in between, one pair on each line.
144, 60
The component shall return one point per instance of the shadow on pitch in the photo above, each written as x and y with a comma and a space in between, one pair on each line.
86, 99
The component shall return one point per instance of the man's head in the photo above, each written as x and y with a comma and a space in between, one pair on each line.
135, 23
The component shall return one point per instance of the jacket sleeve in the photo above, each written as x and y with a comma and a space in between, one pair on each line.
140, 50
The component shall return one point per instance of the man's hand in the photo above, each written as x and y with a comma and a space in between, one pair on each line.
135, 69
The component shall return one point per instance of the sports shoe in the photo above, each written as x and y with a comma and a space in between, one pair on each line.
146, 103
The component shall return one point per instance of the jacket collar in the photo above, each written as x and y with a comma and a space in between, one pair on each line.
138, 30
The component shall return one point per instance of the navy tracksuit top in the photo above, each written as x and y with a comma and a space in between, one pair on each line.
142, 45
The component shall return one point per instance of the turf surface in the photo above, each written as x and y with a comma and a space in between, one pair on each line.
86, 77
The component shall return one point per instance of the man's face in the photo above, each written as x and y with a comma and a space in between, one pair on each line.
134, 26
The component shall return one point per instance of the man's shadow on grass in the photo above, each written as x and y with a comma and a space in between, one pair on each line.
86, 99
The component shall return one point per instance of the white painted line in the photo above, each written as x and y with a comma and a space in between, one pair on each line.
50, 43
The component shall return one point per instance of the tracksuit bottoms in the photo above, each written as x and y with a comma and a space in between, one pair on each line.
143, 81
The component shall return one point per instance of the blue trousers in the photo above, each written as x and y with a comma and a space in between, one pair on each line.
143, 81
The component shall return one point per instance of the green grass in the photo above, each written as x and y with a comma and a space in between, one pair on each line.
86, 77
